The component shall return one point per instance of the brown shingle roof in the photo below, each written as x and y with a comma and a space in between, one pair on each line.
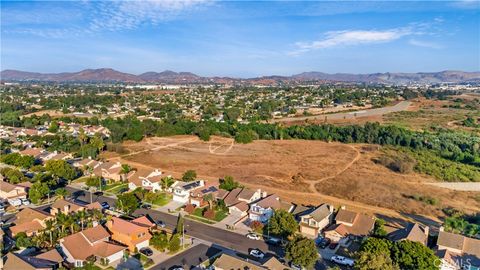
6, 186
72, 207
95, 234
451, 240
346, 216
412, 232
29, 214
51, 255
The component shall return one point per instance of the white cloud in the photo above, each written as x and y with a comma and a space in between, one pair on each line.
120, 15
344, 38
426, 44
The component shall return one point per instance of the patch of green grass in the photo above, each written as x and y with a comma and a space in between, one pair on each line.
161, 199
201, 219
116, 189
219, 214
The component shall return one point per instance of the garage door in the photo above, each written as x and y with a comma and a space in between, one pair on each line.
142, 245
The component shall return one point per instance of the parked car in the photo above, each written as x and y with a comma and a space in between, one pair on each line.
146, 206
296, 266
176, 268
160, 224
257, 253
333, 245
98, 193
15, 202
105, 205
342, 260
274, 241
146, 251
25, 201
323, 243
253, 236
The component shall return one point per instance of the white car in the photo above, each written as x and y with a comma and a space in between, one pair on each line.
253, 236
257, 253
15, 202
342, 260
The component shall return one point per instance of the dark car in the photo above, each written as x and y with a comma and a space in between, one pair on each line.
325, 242
273, 241
98, 193
146, 206
105, 205
333, 246
146, 251
160, 224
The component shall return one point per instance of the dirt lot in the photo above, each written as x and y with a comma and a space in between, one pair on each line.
308, 172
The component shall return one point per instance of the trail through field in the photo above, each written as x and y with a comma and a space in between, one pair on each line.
312, 183
160, 147
214, 150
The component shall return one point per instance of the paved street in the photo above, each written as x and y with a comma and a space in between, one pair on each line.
194, 229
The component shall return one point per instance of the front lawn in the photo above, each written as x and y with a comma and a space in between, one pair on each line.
220, 213
159, 199
116, 188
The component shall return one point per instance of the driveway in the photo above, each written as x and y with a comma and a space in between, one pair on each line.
190, 258
169, 207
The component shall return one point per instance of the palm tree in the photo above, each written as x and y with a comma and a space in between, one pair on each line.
209, 199
166, 182
62, 221
49, 227
82, 215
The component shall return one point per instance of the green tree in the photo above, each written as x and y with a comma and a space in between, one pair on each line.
228, 183
413, 255
282, 223
174, 244
93, 181
22, 240
189, 176
61, 192
301, 251
180, 224
128, 202
379, 229
61, 168
38, 191
167, 182
374, 261
13, 176
126, 168
53, 128
159, 241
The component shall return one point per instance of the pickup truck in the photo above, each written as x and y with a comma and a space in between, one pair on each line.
342, 260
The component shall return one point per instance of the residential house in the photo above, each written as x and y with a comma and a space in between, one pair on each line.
55, 155
10, 191
238, 200
110, 171
197, 195
314, 220
86, 164
92, 243
349, 224
29, 221
413, 232
65, 207
147, 179
134, 234
32, 151
262, 210
14, 261
229, 262
181, 190
457, 251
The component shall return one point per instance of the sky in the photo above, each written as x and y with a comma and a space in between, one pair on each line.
241, 38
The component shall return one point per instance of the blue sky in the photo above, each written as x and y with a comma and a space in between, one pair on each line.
241, 38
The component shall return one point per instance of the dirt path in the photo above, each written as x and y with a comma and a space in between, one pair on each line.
213, 151
312, 183
159, 147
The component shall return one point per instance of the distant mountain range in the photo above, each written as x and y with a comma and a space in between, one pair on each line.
171, 77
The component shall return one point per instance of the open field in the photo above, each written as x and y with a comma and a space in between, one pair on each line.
308, 172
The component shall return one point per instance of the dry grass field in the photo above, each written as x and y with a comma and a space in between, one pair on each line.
308, 172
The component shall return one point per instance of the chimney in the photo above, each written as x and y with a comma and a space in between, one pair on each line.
264, 194
441, 229
342, 207
95, 223
330, 208
427, 231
